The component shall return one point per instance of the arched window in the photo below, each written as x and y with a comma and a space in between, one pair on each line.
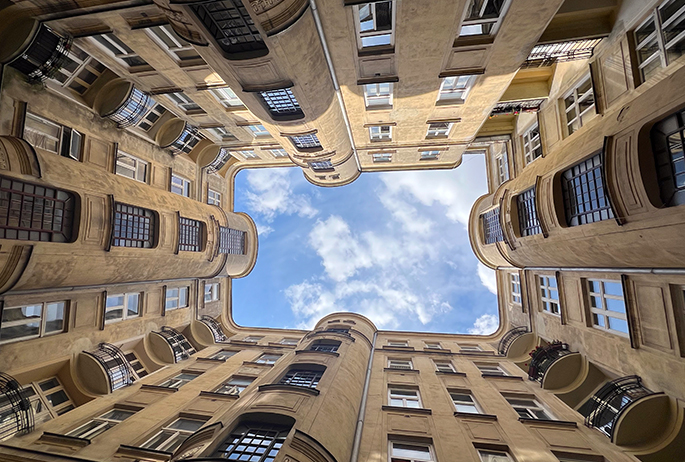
303, 375
327, 346
257, 438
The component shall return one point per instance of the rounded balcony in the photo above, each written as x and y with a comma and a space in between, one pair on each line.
17, 409
169, 345
516, 343
214, 158
207, 331
554, 366
104, 370
178, 136
121, 102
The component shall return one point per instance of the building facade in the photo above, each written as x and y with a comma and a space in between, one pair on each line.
124, 123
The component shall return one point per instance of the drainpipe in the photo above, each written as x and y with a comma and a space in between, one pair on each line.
362, 407
334, 78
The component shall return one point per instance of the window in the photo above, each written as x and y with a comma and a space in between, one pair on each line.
185, 142
659, 40
438, 130
79, 70
176, 297
305, 378
529, 409
375, 24
179, 380
213, 197
268, 359
328, 346
380, 133
30, 212
179, 344
527, 213
492, 228
515, 282
48, 398
502, 161
280, 152
483, 17
410, 452
549, 294
399, 364
180, 50
338, 330
135, 363
100, 424
378, 95
494, 456
444, 366
180, 185
133, 226
579, 105
170, 437
258, 130
433, 345
607, 306
398, 343
254, 442
222, 133
58, 139
131, 167
585, 199
183, 101
119, 307
403, 397
151, 117
226, 97
290, 341
211, 291
470, 348
32, 321
667, 138
282, 104
491, 369
382, 157
189, 235
464, 402
322, 165
532, 147
430, 155
253, 338
231, 241
456, 89
114, 362
310, 141
234, 385
119, 50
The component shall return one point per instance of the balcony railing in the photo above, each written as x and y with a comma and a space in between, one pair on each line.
543, 357
508, 338
214, 326
179, 344
132, 110
219, 161
517, 107
45, 55
612, 400
16, 413
547, 54
114, 361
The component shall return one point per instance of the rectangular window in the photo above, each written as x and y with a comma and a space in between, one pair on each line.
310, 141
179, 380
410, 452
515, 281
382, 157
282, 103
183, 101
180, 50
100, 424
494, 456
378, 95
375, 24
226, 97
213, 197
527, 213
234, 385
532, 146
133, 226
667, 139
302, 378
660, 40
455, 89
254, 442
585, 199
444, 366
399, 364
48, 398
491, 369
131, 167
607, 306
398, 343
433, 345
231, 241
53, 137
404, 397
211, 291
223, 354
470, 348
502, 161
321, 166
180, 185
430, 155
290, 341
119, 307
79, 71
328, 346
438, 130
464, 402
529, 409
258, 130
280, 152
119, 50
268, 359
549, 294
221, 133
32, 321
483, 17
253, 338
171, 436
189, 235
151, 117
176, 297
492, 228
135, 363
579, 105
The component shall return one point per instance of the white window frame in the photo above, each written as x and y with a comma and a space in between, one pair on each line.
433, 345
289, 341
221, 132
532, 143
406, 397
124, 307
475, 25
380, 133
180, 185
235, 385
156, 109
103, 421
455, 89
268, 358
226, 97
470, 348
394, 456
603, 312
278, 153
442, 132
179, 45
179, 380
502, 162
658, 36
530, 409
35, 137
380, 157
41, 320
41, 401
400, 364
257, 130
139, 166
213, 197
548, 301
377, 95
398, 343
246, 154
492, 369
224, 354
177, 298
364, 35
515, 285
88, 64
430, 155
253, 338
121, 53
493, 456
175, 434
459, 401
581, 117
211, 292
183, 101
440, 366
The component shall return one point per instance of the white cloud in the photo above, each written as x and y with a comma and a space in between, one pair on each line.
341, 254
271, 193
485, 325
487, 277
263, 230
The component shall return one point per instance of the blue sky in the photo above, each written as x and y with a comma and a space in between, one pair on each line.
391, 246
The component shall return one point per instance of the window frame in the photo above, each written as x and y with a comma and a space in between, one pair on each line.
213, 197
528, 218
443, 132
146, 228
176, 298
122, 54
575, 105
548, 302
515, 288
584, 192
401, 458
226, 99
447, 92
438, 364
490, 369
603, 310
214, 292
370, 34
430, 154
171, 443
184, 186
257, 132
124, 307
64, 140
376, 98
658, 35
481, 20
482, 452
399, 393
536, 406
177, 381
43, 320
268, 358
466, 403
380, 133
104, 423
184, 102
235, 389
84, 66
180, 45
394, 364
137, 164
531, 140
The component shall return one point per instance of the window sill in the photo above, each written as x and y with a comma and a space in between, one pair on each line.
548, 423
135, 452
396, 369
280, 345
377, 50
316, 352
295, 388
449, 102
469, 415
253, 363
146, 386
473, 40
505, 377
476, 353
210, 360
397, 348
440, 351
240, 342
410, 410
58, 439
213, 394
458, 374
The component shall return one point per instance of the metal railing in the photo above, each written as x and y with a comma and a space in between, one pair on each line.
45, 55
16, 413
517, 107
543, 357
132, 110
547, 54
119, 373
179, 344
215, 327
508, 338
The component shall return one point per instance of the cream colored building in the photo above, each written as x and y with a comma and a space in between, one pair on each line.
123, 125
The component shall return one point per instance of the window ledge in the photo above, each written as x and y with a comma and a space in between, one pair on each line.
316, 352
440, 351
398, 348
505, 377
458, 374
280, 345
213, 394
395, 369
135, 452
377, 50
284, 387
410, 410
146, 386
548, 423
253, 363
241, 342
210, 360
476, 416
476, 353
58, 439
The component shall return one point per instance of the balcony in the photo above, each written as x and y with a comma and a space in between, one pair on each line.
121, 102
554, 366
547, 54
208, 331
105, 369
170, 346
15, 409
35, 50
510, 338
517, 107
178, 137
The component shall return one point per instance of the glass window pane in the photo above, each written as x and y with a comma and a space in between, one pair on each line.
618, 324
132, 305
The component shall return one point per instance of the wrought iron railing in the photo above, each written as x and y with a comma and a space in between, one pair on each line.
132, 110
612, 400
547, 54
45, 55
215, 327
219, 161
119, 373
185, 141
508, 338
16, 413
543, 357
517, 107
179, 344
